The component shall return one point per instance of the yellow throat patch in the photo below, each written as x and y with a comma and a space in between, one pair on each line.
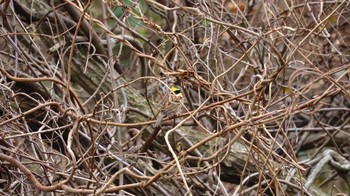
176, 91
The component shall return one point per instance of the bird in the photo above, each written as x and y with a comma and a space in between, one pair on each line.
172, 104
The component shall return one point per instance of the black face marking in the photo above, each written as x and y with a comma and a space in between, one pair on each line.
178, 91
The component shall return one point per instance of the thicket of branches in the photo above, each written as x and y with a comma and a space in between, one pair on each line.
266, 88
